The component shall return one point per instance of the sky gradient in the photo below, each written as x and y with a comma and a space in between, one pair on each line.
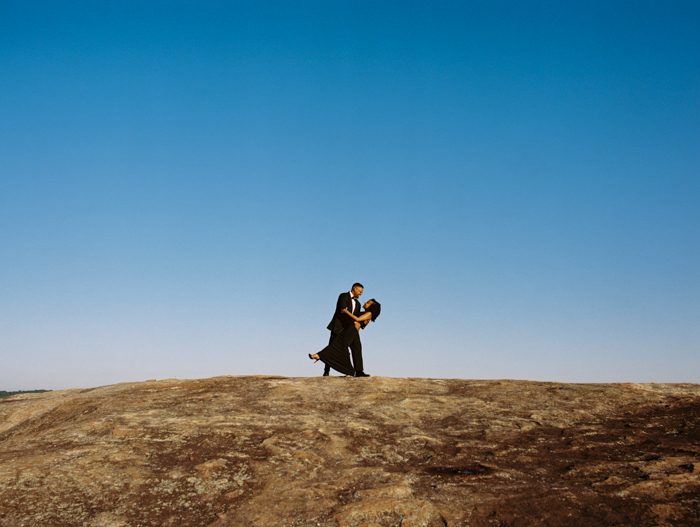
185, 188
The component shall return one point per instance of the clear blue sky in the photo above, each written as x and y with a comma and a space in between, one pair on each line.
186, 187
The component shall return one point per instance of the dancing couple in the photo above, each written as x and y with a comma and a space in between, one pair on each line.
345, 333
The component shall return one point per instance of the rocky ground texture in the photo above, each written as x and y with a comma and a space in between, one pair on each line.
337, 452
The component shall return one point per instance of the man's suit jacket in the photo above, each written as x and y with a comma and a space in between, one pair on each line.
340, 320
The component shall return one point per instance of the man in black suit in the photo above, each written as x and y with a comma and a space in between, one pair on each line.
340, 321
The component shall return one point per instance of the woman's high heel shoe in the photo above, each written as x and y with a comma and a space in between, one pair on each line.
315, 360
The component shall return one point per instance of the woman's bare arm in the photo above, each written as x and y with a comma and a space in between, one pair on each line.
367, 315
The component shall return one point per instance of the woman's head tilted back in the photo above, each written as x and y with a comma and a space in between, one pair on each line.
374, 307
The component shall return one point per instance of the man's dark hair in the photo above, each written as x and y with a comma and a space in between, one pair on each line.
375, 308
357, 284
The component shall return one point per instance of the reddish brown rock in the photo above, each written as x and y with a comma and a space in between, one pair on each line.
336, 452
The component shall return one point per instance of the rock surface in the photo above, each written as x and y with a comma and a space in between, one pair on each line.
337, 452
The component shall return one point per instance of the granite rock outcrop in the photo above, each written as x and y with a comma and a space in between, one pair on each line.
338, 452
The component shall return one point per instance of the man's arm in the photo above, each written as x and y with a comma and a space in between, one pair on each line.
343, 303
340, 320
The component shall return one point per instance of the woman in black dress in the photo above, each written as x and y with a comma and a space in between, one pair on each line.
336, 353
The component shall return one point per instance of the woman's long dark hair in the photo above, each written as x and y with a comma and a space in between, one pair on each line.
375, 308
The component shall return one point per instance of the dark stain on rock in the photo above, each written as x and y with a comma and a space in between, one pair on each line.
470, 470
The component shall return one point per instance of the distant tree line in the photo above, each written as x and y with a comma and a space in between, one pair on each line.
7, 394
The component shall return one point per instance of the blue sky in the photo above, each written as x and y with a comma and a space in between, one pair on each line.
185, 189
